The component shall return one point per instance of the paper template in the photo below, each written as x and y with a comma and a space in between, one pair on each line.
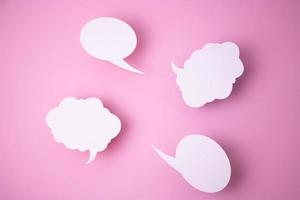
109, 39
83, 124
201, 161
209, 73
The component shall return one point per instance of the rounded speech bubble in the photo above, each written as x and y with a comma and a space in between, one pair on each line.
201, 161
109, 39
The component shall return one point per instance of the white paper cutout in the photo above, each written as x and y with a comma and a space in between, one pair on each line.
201, 161
109, 39
209, 73
83, 124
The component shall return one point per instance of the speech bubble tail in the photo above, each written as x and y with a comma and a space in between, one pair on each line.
176, 69
92, 156
124, 65
169, 159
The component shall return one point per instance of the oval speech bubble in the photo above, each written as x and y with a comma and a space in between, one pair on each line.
201, 161
109, 39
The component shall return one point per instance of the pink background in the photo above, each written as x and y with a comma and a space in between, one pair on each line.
42, 62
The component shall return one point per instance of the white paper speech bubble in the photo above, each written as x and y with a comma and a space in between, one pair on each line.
109, 39
209, 73
201, 161
83, 124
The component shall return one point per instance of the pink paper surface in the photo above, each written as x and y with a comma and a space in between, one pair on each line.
42, 62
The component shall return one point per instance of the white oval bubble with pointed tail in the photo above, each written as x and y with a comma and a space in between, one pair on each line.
109, 39
201, 161
83, 124
209, 73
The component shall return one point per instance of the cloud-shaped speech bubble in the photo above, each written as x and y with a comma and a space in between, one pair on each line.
201, 161
109, 39
83, 124
209, 73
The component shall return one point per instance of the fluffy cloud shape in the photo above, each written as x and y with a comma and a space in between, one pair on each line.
209, 73
201, 161
83, 124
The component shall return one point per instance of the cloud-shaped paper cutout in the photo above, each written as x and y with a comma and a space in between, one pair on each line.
201, 161
83, 124
209, 73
